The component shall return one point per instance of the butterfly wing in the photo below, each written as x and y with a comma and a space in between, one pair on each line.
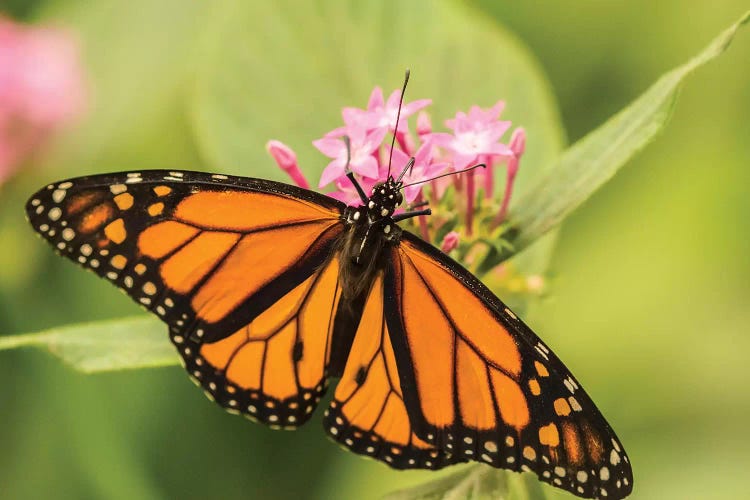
479, 384
240, 269
368, 414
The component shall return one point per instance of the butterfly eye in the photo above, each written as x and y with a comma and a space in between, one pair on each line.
399, 198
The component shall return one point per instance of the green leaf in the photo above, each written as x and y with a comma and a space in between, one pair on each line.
593, 160
103, 345
475, 482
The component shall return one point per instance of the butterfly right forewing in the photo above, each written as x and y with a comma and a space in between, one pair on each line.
479, 384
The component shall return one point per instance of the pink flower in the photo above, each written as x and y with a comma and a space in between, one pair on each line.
424, 125
41, 89
363, 146
475, 134
475, 139
382, 114
535, 283
450, 242
346, 192
423, 169
287, 161
517, 147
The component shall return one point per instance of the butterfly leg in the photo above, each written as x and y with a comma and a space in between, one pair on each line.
417, 205
409, 215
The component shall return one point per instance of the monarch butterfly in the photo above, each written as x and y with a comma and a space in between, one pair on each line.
270, 290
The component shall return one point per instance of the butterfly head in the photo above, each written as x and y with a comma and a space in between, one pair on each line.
385, 198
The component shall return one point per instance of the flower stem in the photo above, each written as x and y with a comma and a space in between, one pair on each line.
422, 220
470, 192
512, 166
489, 175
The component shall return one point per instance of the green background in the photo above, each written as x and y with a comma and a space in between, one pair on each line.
648, 288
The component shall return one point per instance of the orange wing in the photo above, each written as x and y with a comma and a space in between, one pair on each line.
479, 384
240, 270
368, 414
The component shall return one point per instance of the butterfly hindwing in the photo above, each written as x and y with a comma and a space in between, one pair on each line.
240, 270
368, 414
480, 384
275, 368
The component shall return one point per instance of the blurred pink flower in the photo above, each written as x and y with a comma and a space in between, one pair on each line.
450, 242
41, 89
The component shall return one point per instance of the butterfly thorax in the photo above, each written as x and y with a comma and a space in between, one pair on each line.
370, 230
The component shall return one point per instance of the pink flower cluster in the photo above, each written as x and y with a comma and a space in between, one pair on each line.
41, 89
475, 138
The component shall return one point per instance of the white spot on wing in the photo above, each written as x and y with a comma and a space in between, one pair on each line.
58, 195
604, 474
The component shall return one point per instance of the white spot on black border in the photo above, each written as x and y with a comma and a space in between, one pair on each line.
58, 195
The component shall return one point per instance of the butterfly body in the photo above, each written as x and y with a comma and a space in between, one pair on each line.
370, 229
269, 291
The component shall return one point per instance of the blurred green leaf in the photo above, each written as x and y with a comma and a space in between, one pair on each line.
593, 160
477, 482
103, 345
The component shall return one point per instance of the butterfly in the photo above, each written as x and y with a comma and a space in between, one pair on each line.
269, 291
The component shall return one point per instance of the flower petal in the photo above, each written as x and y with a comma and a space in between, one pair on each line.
376, 99
334, 170
367, 167
332, 148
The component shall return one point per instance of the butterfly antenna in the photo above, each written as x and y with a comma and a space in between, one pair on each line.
408, 166
479, 165
398, 117
349, 173
348, 144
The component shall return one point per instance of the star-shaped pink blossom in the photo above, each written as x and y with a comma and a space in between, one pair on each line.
381, 114
475, 134
363, 148
423, 169
346, 192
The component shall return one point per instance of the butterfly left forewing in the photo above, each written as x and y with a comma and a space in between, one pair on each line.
240, 269
479, 384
